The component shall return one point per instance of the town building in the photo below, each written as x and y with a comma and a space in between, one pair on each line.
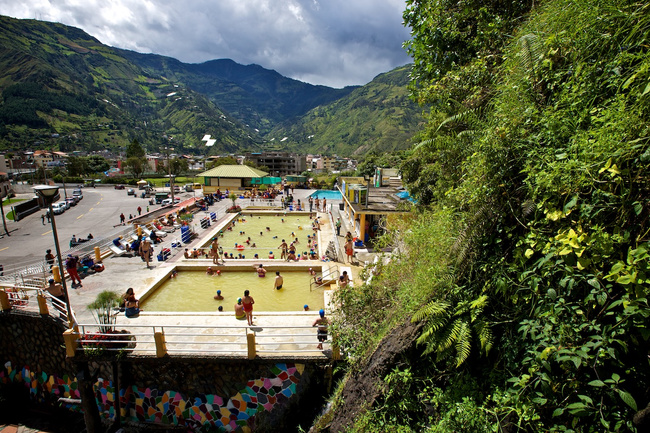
279, 163
368, 202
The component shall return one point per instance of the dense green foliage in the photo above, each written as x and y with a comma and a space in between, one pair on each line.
533, 186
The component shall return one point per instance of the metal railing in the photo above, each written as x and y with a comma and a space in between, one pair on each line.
34, 300
177, 339
327, 276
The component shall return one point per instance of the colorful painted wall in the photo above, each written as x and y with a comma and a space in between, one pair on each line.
206, 394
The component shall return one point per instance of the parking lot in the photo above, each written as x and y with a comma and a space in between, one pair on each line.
97, 213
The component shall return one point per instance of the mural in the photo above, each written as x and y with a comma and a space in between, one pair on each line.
170, 407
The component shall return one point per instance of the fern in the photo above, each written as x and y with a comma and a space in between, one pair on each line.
449, 330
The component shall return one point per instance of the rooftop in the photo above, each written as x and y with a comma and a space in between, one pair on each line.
233, 171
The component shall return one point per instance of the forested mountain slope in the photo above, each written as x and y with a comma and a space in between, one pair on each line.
527, 260
377, 117
61, 88
258, 97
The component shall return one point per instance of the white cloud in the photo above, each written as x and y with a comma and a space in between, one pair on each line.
333, 42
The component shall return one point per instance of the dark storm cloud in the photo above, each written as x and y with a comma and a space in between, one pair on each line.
334, 42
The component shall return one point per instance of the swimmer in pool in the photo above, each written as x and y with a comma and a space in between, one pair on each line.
239, 310
218, 296
277, 284
209, 271
261, 272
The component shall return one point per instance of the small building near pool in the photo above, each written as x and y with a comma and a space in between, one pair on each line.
368, 202
231, 177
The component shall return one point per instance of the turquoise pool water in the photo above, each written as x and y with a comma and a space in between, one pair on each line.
323, 193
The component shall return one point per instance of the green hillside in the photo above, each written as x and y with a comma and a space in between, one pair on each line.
258, 97
63, 89
516, 299
376, 117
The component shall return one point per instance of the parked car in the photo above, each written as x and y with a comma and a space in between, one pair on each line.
77, 193
130, 191
70, 202
58, 208
177, 188
120, 186
169, 201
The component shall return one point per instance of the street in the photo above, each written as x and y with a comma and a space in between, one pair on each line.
98, 213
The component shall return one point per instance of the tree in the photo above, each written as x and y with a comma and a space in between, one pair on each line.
134, 149
97, 164
135, 165
77, 166
226, 160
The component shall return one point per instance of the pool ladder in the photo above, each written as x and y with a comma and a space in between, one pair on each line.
328, 276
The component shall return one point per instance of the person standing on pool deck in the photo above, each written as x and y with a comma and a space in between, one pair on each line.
277, 284
324, 204
338, 226
311, 204
145, 250
247, 302
322, 322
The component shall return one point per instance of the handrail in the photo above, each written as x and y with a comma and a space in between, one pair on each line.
325, 275
177, 337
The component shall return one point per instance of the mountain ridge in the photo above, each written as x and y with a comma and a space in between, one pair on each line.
160, 100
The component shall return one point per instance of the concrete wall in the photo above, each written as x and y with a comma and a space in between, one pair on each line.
199, 393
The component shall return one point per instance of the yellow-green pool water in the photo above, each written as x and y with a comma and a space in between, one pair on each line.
194, 291
287, 226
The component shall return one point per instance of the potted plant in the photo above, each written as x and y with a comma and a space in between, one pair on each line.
105, 310
234, 208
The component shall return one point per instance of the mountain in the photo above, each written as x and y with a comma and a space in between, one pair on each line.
62, 88
258, 97
378, 116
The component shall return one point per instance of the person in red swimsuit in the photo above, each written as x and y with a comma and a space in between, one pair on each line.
248, 302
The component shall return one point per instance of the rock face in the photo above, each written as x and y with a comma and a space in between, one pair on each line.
362, 389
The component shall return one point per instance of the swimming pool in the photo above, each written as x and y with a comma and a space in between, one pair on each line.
324, 193
194, 291
249, 234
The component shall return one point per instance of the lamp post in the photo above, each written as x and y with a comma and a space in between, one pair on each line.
169, 170
47, 193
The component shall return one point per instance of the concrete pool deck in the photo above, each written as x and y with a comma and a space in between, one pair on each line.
123, 272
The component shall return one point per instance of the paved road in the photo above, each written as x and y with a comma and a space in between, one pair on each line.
97, 213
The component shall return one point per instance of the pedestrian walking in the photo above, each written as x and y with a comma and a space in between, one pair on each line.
43, 219
122, 218
139, 210
71, 268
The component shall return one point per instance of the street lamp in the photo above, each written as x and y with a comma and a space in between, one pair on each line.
48, 193
169, 170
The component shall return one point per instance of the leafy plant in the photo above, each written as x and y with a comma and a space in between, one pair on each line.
103, 309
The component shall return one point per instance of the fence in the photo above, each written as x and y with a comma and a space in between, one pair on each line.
162, 340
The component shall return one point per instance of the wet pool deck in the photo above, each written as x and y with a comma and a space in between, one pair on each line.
124, 272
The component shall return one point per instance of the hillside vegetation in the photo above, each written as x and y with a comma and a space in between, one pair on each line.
517, 297
57, 79
257, 97
62, 89
377, 117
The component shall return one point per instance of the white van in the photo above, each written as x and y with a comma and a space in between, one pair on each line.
58, 208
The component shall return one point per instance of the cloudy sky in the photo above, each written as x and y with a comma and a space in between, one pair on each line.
330, 42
